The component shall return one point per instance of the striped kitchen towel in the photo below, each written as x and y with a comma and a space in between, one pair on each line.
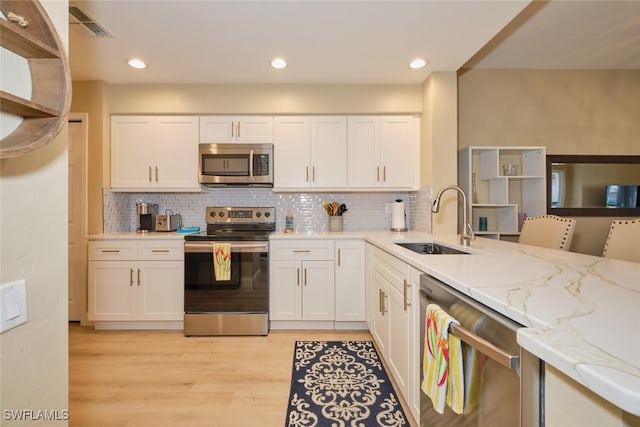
222, 260
442, 362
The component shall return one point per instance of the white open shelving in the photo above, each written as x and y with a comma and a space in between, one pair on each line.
500, 197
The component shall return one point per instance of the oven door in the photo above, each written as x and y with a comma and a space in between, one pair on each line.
247, 291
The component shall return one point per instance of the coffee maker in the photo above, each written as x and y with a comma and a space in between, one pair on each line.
146, 216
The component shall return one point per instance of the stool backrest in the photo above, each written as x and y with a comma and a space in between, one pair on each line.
548, 231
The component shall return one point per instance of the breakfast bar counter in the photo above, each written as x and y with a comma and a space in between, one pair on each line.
580, 312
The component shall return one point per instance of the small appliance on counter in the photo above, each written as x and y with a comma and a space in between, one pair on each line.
398, 216
146, 216
168, 221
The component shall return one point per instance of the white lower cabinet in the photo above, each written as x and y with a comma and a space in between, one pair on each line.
395, 319
132, 281
301, 280
317, 284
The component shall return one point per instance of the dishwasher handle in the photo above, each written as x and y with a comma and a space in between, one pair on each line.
503, 357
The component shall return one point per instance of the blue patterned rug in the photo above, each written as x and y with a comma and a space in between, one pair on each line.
340, 384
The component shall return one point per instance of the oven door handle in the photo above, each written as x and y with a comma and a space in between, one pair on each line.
207, 247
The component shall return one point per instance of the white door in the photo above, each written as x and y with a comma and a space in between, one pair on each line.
350, 283
291, 151
398, 153
399, 345
161, 290
176, 152
112, 290
329, 151
380, 313
132, 151
318, 290
364, 152
217, 130
285, 290
77, 215
254, 129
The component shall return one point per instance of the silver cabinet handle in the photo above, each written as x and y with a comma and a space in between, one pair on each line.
238, 129
306, 174
149, 173
298, 277
156, 174
384, 173
160, 251
110, 251
511, 361
301, 251
305, 277
313, 174
338, 257
378, 174
407, 285
131, 277
138, 277
232, 135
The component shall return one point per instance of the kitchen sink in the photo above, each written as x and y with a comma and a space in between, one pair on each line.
431, 248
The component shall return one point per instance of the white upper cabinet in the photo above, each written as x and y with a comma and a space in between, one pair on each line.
383, 152
236, 129
154, 153
310, 152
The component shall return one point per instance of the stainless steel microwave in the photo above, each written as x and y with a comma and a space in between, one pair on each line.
236, 164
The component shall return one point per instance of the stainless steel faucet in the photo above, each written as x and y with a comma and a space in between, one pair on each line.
466, 234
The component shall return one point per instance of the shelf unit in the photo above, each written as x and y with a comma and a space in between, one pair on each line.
499, 197
45, 114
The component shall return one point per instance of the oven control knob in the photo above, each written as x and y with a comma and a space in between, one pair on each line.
258, 214
220, 214
267, 214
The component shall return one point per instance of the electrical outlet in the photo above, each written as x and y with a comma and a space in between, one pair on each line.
13, 305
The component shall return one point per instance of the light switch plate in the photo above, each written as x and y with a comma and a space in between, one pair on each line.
13, 305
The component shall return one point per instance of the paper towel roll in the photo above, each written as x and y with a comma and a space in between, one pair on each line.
397, 216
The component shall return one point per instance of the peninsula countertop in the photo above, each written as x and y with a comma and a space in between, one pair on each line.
582, 313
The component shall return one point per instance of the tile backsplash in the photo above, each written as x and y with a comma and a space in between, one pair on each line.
366, 211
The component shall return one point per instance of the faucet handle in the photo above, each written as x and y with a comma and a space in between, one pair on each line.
471, 233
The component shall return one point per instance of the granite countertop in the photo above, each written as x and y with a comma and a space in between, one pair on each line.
581, 312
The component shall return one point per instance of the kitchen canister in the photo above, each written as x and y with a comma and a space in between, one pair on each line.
335, 222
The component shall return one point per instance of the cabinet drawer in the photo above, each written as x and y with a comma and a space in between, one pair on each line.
161, 250
392, 268
292, 250
117, 250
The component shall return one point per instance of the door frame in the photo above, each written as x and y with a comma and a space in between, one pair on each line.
83, 118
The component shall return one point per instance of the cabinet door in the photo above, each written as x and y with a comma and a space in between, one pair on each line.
176, 152
217, 129
285, 290
399, 345
380, 315
415, 352
112, 290
132, 151
318, 290
363, 152
329, 151
350, 284
160, 290
399, 152
292, 152
254, 129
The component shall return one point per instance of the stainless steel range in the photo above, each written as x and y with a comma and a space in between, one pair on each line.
239, 304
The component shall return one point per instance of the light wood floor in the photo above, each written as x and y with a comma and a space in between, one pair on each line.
158, 378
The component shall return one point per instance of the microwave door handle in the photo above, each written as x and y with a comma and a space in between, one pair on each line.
251, 164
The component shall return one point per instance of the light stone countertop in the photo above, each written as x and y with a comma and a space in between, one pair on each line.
132, 235
582, 313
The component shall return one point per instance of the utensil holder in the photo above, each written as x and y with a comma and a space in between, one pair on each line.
335, 223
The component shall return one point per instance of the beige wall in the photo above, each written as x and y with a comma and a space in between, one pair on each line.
33, 243
90, 98
569, 112
439, 165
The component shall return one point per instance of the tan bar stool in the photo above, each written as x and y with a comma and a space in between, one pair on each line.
623, 241
548, 231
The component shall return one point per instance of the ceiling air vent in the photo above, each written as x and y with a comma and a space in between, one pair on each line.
85, 24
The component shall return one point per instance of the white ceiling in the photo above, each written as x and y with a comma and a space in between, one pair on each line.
347, 42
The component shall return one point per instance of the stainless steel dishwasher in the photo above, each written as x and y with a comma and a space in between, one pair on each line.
503, 383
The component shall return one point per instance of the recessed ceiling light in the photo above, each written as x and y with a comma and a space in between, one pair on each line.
417, 63
279, 63
137, 63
